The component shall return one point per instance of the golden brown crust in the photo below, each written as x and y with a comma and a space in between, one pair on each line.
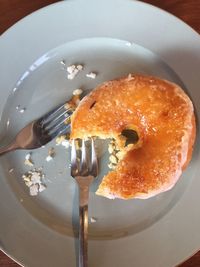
163, 116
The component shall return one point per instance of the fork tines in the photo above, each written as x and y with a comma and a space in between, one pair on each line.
83, 165
57, 121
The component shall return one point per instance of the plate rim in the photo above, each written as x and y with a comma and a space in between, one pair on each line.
30, 16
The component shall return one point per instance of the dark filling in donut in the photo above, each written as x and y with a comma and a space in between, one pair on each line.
93, 104
131, 136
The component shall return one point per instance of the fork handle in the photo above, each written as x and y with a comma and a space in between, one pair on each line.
83, 236
84, 184
8, 148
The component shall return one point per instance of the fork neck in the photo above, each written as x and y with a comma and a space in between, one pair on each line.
84, 184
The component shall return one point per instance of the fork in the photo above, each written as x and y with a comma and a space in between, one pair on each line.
41, 131
84, 174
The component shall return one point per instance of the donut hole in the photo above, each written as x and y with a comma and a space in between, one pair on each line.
131, 136
119, 146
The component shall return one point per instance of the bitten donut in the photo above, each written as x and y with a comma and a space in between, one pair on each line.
161, 118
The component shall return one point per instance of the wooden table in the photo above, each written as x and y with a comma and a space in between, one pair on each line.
13, 10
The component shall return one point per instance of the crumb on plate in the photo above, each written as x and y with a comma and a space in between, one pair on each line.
51, 154
11, 170
33, 179
62, 62
91, 75
93, 219
73, 70
28, 161
63, 140
22, 110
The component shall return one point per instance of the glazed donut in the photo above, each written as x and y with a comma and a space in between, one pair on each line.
162, 117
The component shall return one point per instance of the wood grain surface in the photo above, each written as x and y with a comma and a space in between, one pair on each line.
13, 10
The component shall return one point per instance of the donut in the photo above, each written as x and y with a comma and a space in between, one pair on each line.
161, 117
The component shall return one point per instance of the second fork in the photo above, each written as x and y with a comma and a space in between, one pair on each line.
84, 173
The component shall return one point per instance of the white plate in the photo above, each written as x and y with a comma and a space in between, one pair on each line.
113, 38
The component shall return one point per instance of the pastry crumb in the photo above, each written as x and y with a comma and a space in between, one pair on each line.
67, 106
65, 143
11, 170
73, 70
93, 219
33, 179
113, 159
111, 166
130, 77
77, 91
60, 139
28, 183
51, 154
28, 161
34, 189
75, 100
49, 158
42, 187
79, 67
62, 62
22, 110
91, 75
111, 148
63, 140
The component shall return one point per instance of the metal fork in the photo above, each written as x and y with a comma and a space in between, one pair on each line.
84, 173
40, 132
